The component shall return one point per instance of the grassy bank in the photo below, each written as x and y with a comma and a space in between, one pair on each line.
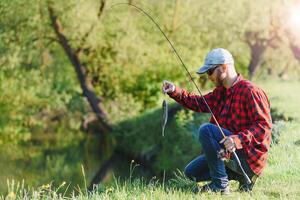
281, 179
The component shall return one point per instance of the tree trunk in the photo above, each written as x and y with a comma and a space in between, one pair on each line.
86, 87
258, 45
145, 160
296, 50
103, 171
256, 59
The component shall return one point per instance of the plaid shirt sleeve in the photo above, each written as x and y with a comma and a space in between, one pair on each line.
195, 102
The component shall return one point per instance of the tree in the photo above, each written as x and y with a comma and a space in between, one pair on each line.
74, 58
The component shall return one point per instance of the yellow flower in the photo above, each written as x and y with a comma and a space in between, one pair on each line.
45, 186
108, 190
11, 195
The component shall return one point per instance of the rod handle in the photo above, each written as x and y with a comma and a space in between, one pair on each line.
243, 171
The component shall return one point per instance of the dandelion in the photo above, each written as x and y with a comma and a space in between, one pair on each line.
44, 187
109, 190
11, 195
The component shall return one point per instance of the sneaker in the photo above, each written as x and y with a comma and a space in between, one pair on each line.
210, 188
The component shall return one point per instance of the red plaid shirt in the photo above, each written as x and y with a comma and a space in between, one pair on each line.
244, 109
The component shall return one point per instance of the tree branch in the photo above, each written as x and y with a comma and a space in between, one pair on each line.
87, 89
87, 34
101, 8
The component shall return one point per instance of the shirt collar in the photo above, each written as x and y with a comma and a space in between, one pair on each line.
231, 89
239, 78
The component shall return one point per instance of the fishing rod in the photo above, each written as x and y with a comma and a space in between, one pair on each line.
191, 78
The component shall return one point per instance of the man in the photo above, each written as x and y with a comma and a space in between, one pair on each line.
242, 110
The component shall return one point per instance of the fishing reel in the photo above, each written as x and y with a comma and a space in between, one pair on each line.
223, 155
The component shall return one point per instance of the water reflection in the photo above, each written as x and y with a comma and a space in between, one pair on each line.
52, 161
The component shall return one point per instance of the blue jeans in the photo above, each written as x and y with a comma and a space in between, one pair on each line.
208, 166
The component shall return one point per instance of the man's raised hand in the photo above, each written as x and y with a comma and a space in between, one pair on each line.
168, 87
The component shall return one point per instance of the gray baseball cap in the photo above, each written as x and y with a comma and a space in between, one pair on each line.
216, 57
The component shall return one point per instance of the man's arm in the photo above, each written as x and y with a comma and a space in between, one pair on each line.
193, 101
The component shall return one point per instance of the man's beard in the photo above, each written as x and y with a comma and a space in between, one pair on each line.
219, 80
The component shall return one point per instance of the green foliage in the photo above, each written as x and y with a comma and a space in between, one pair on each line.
181, 182
279, 124
278, 128
125, 58
143, 136
32, 82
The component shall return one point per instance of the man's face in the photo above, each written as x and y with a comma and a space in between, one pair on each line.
216, 75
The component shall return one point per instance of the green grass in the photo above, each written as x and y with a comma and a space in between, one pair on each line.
281, 178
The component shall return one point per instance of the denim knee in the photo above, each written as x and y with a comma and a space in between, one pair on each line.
203, 131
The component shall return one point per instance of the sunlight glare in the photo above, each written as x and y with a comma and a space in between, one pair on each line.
295, 18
